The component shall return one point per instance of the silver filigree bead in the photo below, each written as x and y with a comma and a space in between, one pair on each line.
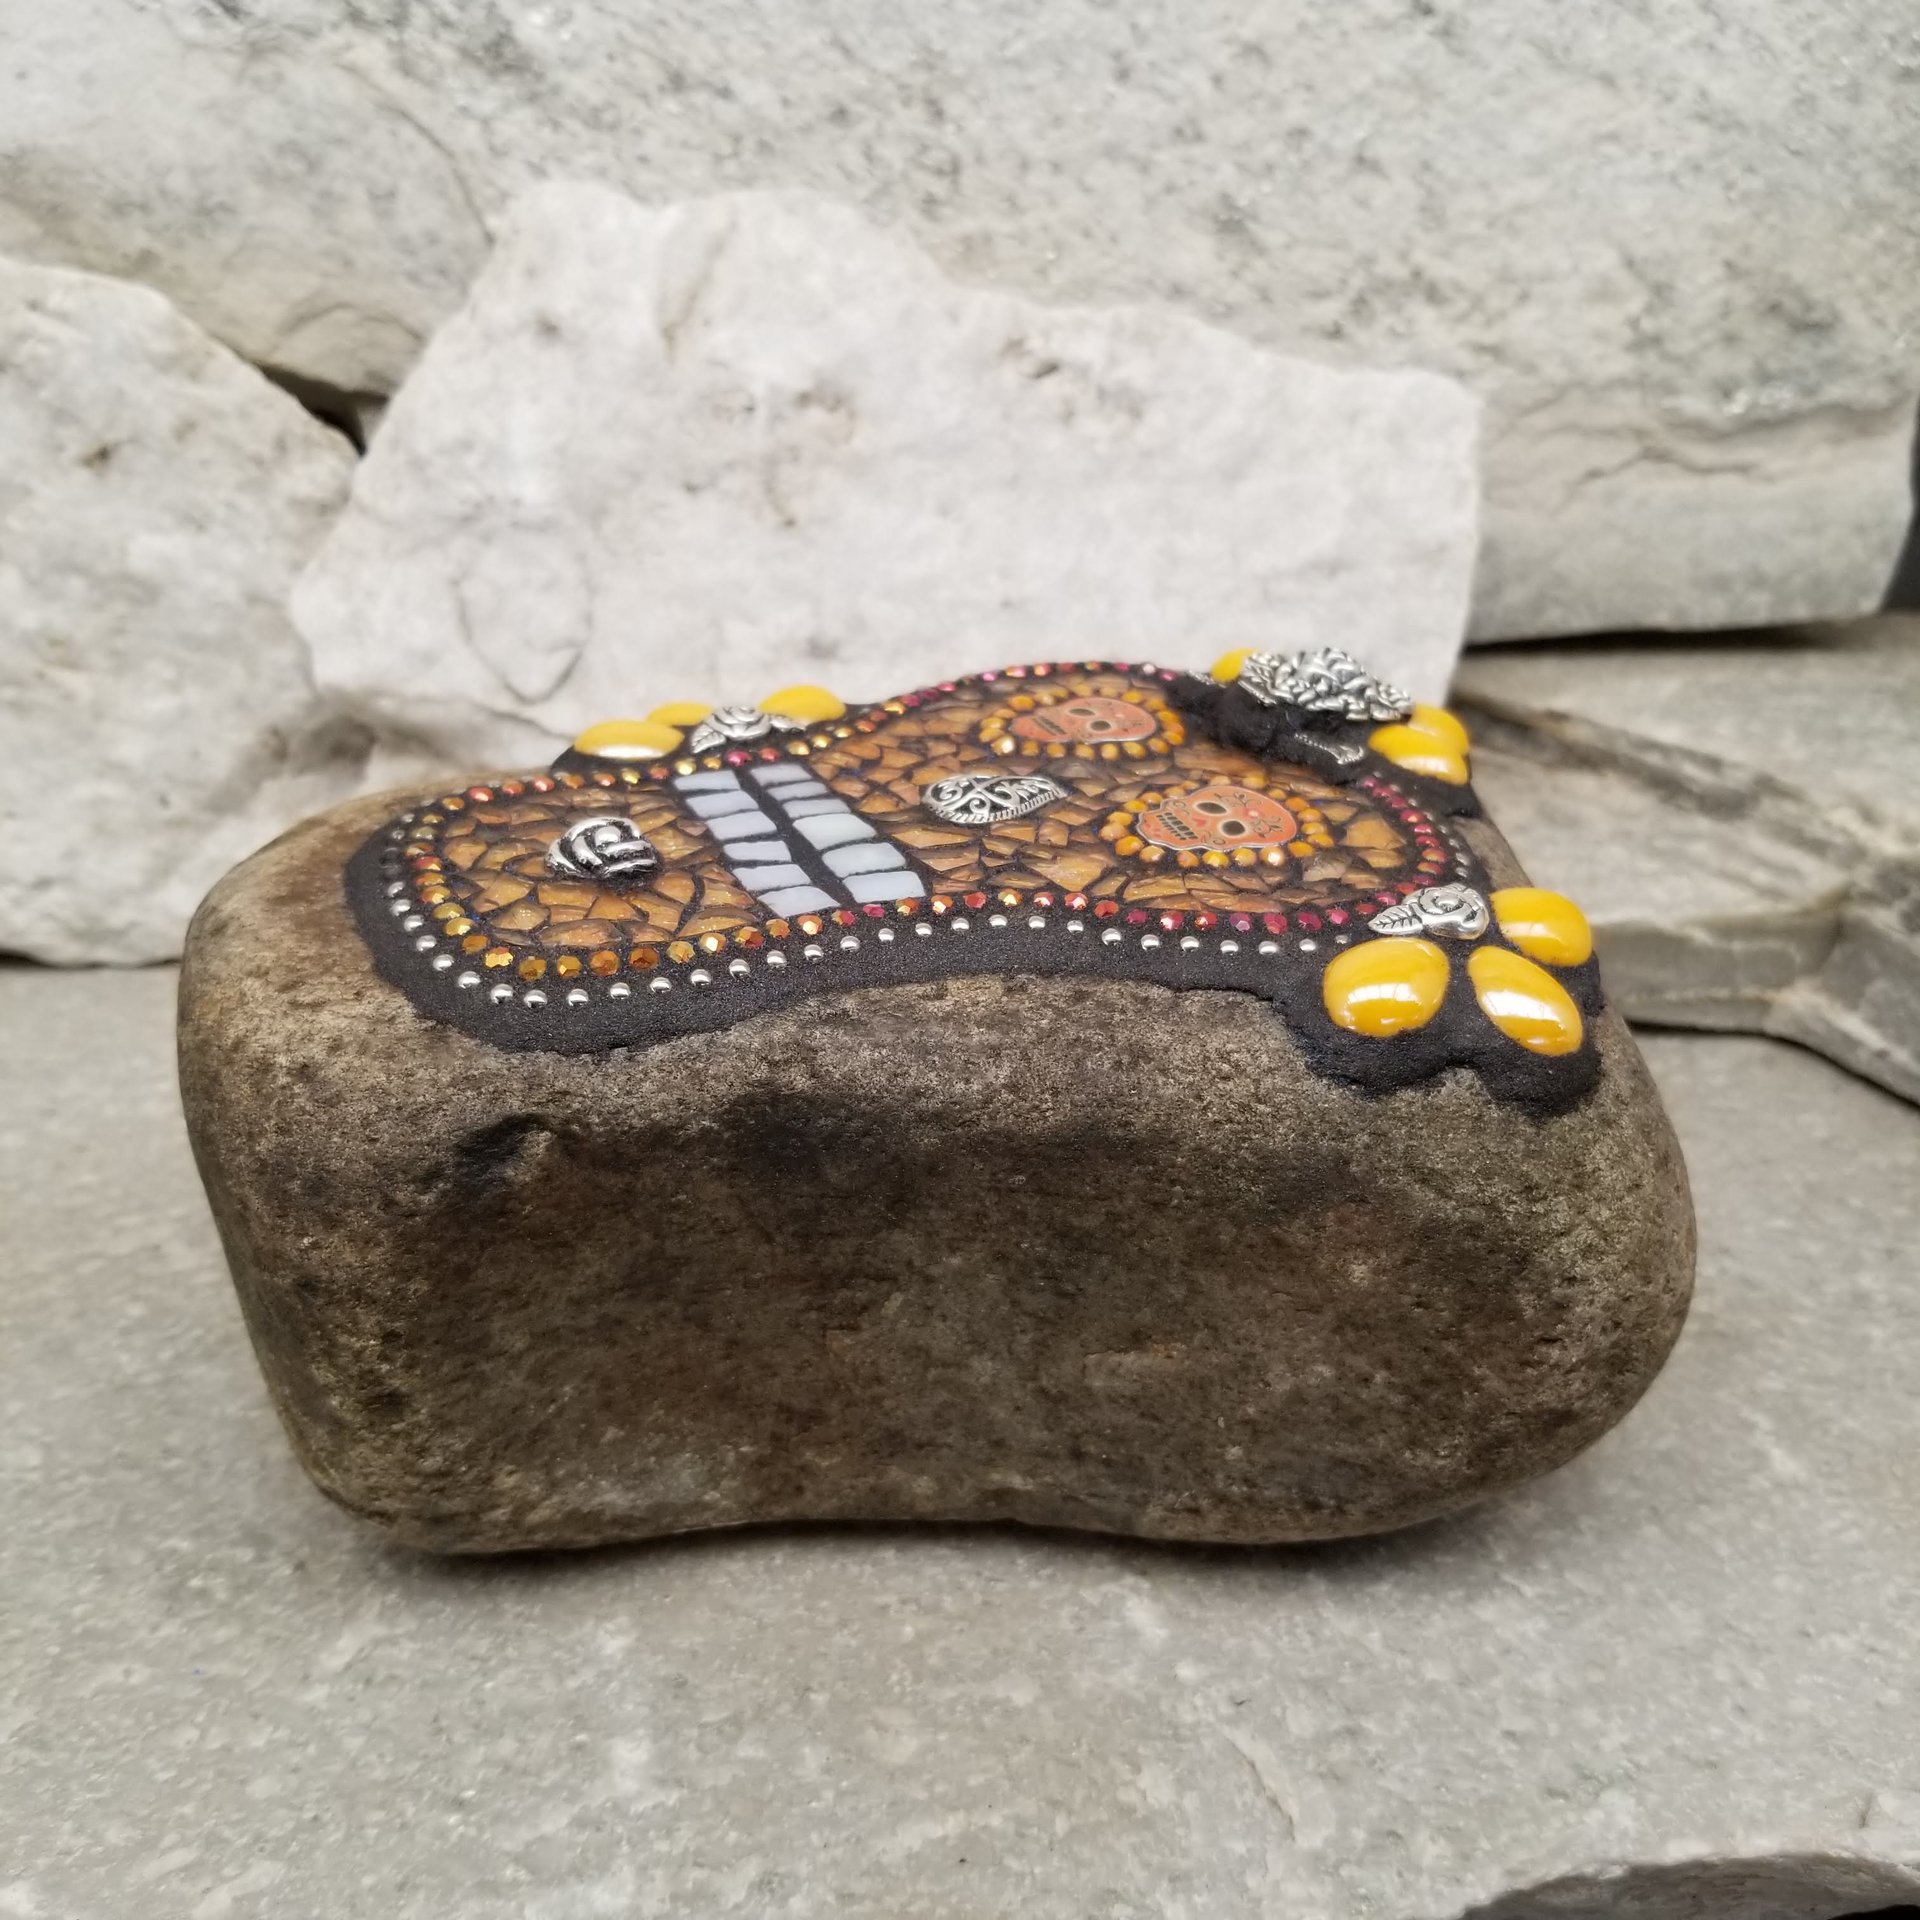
1327, 681
603, 846
985, 799
735, 726
1454, 912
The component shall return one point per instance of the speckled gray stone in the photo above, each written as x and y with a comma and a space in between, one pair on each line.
1067, 1251
1669, 1681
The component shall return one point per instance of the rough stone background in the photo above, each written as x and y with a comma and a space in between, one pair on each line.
1739, 818
1669, 1681
1673, 249
158, 718
705, 451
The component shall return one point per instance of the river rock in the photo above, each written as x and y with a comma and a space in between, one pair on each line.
157, 717
1693, 334
1063, 1186
702, 443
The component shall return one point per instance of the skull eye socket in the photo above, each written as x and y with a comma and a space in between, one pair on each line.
1209, 806
1233, 828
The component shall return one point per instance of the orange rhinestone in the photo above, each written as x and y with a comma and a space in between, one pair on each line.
777, 929
750, 938
532, 967
808, 923
499, 957
1008, 898
713, 943
605, 961
456, 928
680, 951
567, 965
645, 957
474, 943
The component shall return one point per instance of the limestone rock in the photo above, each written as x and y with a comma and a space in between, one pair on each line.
157, 718
1078, 1251
1771, 885
1679, 265
685, 449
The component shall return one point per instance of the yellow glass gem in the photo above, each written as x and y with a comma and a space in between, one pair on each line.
1524, 1001
1385, 987
1228, 666
1545, 926
680, 713
1420, 752
1444, 726
629, 739
808, 704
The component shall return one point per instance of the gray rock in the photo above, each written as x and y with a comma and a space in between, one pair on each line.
157, 716
1722, 895
715, 448
1664, 1682
1679, 265
1068, 1251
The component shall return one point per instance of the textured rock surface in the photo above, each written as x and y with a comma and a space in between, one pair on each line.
1664, 1682
1739, 820
706, 451
157, 719
900, 1253
1678, 259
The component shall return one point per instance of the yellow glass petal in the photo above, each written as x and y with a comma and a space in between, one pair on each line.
681, 713
628, 740
1524, 1001
811, 704
1545, 926
1444, 727
1419, 752
1385, 987
1228, 666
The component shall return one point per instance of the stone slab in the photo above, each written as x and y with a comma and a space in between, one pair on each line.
1676, 258
703, 451
157, 716
1739, 819
1667, 1681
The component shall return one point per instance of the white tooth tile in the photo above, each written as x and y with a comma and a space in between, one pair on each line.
707, 782
872, 856
886, 886
798, 900
786, 774
741, 826
833, 829
711, 806
739, 850
767, 881
827, 803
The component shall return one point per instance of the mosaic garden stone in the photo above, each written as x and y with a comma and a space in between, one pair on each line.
1082, 1094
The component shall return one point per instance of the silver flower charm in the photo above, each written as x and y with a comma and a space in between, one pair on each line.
1457, 913
1324, 681
983, 799
602, 847
732, 726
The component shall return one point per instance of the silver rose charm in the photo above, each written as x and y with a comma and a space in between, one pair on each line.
1456, 913
733, 726
983, 799
1324, 681
602, 847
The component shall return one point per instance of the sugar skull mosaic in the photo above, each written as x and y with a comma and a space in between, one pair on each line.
1286, 827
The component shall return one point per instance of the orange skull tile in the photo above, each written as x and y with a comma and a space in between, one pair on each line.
1218, 817
1092, 718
